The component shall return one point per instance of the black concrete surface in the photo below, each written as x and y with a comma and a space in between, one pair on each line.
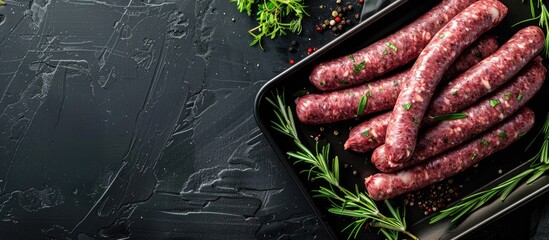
133, 119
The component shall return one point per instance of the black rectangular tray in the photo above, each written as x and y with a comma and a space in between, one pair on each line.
489, 172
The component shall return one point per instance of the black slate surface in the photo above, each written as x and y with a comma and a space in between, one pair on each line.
133, 119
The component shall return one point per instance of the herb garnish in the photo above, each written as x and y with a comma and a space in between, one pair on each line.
455, 93
507, 95
355, 204
359, 67
519, 97
385, 52
362, 105
344, 81
2, 3
272, 16
366, 133
395, 83
485, 142
502, 135
539, 165
494, 102
391, 46
442, 35
407, 106
451, 116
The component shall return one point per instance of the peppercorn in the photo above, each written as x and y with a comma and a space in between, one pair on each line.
348, 22
334, 29
332, 22
361, 1
337, 19
309, 50
349, 7
291, 49
292, 62
334, 14
318, 28
357, 16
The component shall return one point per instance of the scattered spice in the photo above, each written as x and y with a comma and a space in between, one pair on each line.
292, 62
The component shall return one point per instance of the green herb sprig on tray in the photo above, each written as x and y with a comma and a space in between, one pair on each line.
354, 204
272, 17
539, 165
542, 17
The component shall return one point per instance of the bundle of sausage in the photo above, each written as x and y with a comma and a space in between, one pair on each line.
490, 93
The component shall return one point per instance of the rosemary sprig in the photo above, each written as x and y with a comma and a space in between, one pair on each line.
539, 165
355, 204
542, 17
272, 16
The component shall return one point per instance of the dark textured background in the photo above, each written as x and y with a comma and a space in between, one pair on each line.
134, 119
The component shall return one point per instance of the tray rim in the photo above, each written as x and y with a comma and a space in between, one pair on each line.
529, 191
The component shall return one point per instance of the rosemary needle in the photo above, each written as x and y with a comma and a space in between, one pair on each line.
354, 204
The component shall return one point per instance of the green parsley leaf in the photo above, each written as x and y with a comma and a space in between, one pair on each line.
519, 97
344, 81
485, 142
366, 133
359, 67
502, 135
362, 105
352, 57
385, 52
474, 155
407, 106
507, 95
494, 102
391, 46
455, 93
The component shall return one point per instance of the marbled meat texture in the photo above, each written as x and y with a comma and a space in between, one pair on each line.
381, 94
382, 186
524, 43
490, 111
388, 53
427, 72
491, 73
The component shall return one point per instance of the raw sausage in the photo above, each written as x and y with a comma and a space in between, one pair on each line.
525, 43
381, 94
388, 53
426, 73
490, 111
488, 75
388, 185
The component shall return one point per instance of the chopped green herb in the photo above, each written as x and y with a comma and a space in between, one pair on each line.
519, 97
485, 142
395, 83
352, 57
455, 93
407, 106
366, 133
451, 116
362, 105
385, 52
442, 35
368, 94
391, 46
372, 138
369, 85
474, 155
344, 81
507, 95
322, 83
521, 134
494, 102
502, 135
359, 67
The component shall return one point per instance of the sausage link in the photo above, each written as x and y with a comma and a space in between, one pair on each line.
388, 53
490, 73
514, 47
490, 111
388, 185
426, 73
382, 94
